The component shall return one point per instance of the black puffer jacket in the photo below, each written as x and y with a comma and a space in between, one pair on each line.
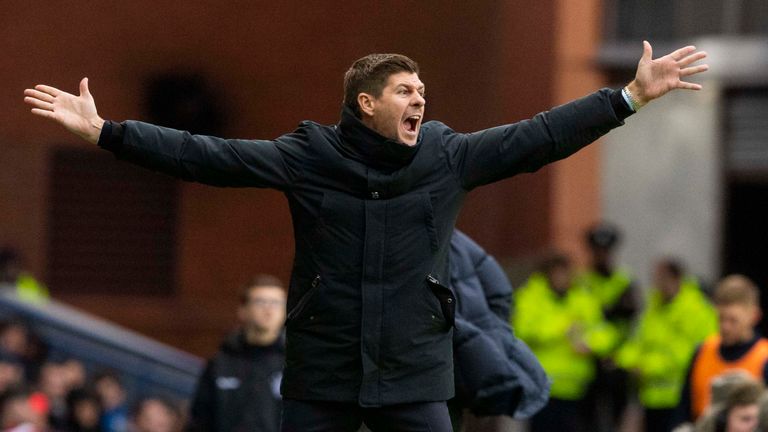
370, 315
239, 389
496, 373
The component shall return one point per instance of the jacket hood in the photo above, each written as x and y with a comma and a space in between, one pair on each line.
365, 145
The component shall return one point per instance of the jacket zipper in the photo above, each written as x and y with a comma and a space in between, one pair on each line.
296, 311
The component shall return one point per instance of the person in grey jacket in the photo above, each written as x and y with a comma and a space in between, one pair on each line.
373, 199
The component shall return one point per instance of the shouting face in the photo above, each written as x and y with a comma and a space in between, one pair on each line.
396, 113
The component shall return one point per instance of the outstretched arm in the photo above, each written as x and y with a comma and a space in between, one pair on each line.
205, 159
503, 151
76, 113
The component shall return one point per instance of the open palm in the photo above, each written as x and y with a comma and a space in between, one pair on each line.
656, 77
76, 113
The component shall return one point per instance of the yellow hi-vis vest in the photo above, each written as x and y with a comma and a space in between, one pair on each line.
664, 341
547, 322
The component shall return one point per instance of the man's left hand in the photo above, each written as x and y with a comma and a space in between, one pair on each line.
655, 78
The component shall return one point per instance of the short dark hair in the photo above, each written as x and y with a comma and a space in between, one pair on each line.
261, 280
370, 74
673, 266
553, 260
109, 375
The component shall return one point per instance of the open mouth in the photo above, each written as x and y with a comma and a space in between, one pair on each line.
411, 124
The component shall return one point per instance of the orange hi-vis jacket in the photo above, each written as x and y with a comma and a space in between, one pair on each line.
709, 365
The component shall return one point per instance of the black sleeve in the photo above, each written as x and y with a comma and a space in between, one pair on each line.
493, 154
202, 415
206, 159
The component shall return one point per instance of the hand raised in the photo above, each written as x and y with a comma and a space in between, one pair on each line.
655, 78
76, 113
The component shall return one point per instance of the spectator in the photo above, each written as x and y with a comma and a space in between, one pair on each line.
615, 289
736, 347
84, 410
74, 374
495, 372
739, 411
240, 386
564, 326
52, 384
12, 273
18, 341
11, 372
21, 410
114, 401
676, 319
159, 415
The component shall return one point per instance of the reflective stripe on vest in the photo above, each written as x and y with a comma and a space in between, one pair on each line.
709, 365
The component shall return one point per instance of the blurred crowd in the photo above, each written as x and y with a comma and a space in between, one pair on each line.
607, 345
691, 358
39, 393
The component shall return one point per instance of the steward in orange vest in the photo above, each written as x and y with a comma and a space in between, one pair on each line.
736, 347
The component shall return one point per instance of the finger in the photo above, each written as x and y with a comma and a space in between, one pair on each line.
693, 70
43, 113
647, 51
682, 52
688, 86
692, 58
48, 89
84, 87
37, 103
38, 95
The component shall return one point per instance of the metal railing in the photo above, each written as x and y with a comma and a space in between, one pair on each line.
146, 366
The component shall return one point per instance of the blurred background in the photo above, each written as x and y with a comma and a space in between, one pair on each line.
687, 177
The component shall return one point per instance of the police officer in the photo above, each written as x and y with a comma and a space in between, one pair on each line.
614, 288
564, 326
677, 318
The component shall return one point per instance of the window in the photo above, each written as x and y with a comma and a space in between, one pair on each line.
667, 20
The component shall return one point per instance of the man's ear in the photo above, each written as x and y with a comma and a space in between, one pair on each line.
366, 103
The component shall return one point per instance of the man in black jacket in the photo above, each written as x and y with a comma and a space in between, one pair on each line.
239, 389
374, 200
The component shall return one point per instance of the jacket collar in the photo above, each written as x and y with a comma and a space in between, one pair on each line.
365, 145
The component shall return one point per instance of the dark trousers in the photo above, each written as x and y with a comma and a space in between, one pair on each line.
559, 416
315, 416
607, 399
659, 420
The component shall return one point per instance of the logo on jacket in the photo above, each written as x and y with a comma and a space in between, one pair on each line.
275, 381
227, 383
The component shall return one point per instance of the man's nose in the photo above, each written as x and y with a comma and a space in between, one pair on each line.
418, 100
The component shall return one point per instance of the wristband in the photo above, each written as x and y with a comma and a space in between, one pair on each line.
633, 103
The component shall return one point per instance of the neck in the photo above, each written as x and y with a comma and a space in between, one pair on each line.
260, 337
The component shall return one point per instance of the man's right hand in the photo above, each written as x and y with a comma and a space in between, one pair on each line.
76, 113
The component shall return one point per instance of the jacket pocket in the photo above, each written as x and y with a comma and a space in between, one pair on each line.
446, 298
301, 305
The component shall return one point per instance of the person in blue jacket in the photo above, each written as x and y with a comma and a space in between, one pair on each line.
495, 373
